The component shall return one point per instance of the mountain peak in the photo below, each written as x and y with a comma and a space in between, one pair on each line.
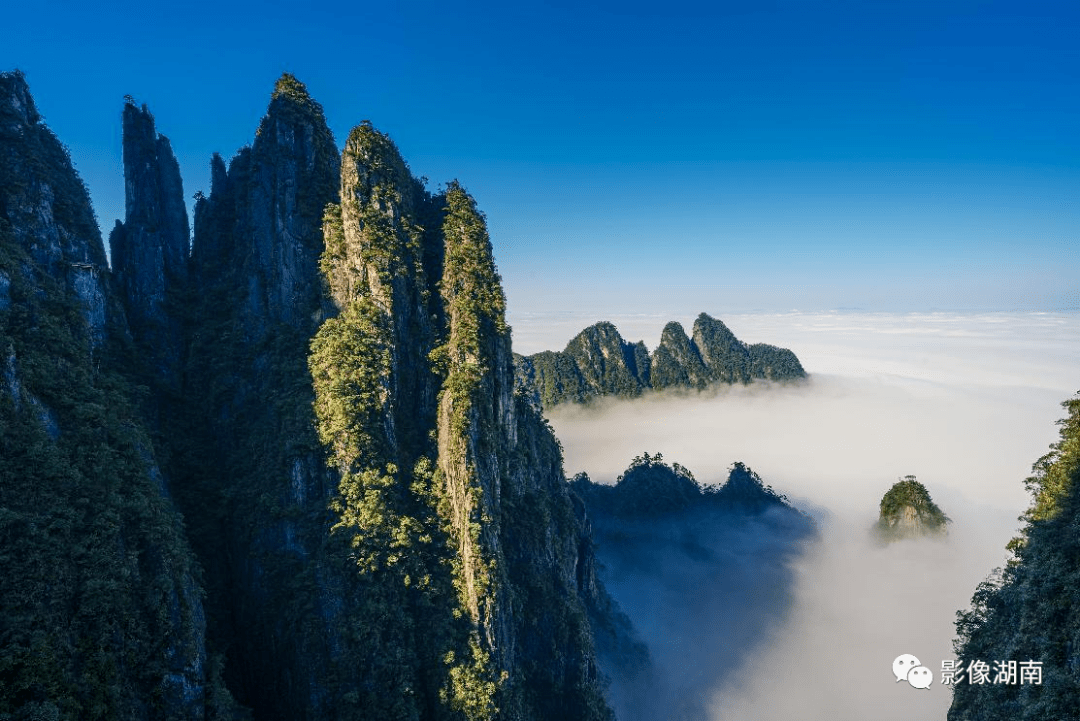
292, 102
15, 99
598, 362
289, 87
907, 511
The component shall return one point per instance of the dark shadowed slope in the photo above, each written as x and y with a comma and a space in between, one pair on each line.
702, 572
101, 611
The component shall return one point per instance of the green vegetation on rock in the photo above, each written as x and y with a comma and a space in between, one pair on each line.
650, 488
1030, 610
101, 610
598, 362
324, 387
907, 511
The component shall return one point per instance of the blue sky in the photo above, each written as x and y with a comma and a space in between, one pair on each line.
661, 157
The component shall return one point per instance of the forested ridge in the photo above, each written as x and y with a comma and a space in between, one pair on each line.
101, 606
1030, 609
597, 362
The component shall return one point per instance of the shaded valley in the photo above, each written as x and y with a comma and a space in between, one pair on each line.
702, 571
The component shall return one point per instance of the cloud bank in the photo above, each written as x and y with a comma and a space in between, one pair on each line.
964, 402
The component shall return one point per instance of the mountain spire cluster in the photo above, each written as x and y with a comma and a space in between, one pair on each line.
598, 362
288, 474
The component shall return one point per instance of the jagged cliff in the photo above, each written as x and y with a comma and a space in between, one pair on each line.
101, 613
907, 511
439, 462
252, 478
1030, 611
150, 248
324, 387
598, 362
384, 528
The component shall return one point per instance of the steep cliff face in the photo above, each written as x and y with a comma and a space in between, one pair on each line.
677, 362
598, 362
384, 526
439, 462
726, 357
46, 207
1030, 610
608, 363
250, 473
150, 248
360, 559
293, 175
532, 578
100, 612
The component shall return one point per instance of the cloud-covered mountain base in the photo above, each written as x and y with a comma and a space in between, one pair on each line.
965, 403
704, 574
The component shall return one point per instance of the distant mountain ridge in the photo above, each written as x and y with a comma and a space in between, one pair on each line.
599, 362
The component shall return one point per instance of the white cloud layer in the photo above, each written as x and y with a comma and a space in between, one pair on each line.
964, 402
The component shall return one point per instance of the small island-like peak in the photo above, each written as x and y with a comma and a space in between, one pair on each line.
907, 511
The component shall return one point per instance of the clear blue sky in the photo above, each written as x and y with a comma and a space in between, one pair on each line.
638, 157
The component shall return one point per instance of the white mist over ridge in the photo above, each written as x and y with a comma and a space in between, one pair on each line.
965, 402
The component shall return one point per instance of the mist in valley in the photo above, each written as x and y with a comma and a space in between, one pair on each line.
771, 625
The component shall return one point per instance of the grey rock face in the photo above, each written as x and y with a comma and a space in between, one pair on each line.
607, 363
383, 223
45, 207
522, 569
150, 248
725, 356
294, 174
257, 298
596, 362
907, 511
261, 225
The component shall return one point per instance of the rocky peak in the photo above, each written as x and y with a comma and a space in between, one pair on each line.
724, 355
375, 249
92, 458
213, 242
378, 199
45, 207
294, 174
150, 248
219, 174
17, 106
607, 362
292, 90
907, 511
597, 362
677, 362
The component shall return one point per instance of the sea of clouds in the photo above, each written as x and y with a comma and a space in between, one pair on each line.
965, 402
